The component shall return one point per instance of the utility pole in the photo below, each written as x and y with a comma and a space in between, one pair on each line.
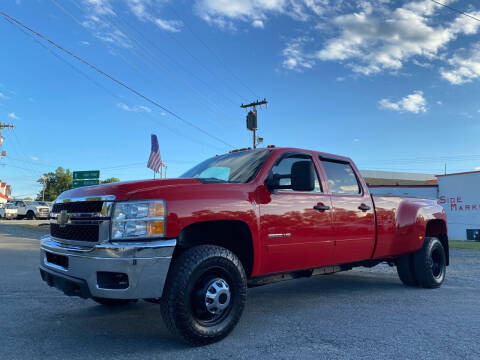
44, 181
4, 126
252, 117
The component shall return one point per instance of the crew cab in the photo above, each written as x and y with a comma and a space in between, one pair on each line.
195, 244
30, 209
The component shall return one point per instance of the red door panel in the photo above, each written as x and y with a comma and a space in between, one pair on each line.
354, 228
294, 234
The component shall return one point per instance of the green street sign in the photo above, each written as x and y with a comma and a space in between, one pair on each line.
80, 183
85, 175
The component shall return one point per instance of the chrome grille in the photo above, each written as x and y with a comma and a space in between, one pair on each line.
79, 207
81, 222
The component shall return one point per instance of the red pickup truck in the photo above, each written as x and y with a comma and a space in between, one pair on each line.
194, 244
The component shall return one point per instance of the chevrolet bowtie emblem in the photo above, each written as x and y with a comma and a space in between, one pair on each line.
62, 218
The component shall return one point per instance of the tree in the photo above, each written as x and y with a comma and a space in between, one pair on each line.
55, 183
109, 180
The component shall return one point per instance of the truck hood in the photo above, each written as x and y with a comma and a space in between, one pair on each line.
124, 191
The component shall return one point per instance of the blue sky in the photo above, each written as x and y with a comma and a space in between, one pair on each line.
392, 84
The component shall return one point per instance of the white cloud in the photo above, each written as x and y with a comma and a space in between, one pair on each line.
106, 32
143, 10
477, 168
13, 116
414, 103
169, 25
139, 108
3, 96
34, 158
223, 13
84, 43
295, 57
100, 7
101, 12
464, 66
258, 23
375, 36
439, 102
379, 38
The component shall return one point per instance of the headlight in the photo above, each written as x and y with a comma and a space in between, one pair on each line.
138, 219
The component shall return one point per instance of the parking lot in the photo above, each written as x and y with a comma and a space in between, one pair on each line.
365, 313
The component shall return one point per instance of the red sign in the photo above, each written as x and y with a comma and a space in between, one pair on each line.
456, 204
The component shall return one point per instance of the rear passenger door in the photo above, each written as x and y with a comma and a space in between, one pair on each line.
353, 212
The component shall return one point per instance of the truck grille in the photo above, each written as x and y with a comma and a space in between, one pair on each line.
84, 221
79, 207
86, 232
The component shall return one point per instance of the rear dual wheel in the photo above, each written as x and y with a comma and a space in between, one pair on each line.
427, 267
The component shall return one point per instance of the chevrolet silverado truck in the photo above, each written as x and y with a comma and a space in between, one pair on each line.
195, 244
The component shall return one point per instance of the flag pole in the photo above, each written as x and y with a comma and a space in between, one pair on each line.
153, 174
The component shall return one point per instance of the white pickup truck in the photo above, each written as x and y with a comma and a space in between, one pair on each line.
8, 211
31, 210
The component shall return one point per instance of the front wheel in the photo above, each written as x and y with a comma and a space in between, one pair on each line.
31, 215
204, 295
430, 263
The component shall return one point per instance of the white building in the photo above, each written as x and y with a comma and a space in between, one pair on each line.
421, 191
5, 192
459, 194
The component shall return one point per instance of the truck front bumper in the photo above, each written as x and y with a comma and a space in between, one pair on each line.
108, 270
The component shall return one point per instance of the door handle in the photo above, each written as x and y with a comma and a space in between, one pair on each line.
364, 207
321, 207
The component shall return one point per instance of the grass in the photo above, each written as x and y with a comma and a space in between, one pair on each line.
459, 244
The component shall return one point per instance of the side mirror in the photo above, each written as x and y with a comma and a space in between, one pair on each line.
303, 176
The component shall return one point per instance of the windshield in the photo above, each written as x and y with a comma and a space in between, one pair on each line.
10, 206
237, 167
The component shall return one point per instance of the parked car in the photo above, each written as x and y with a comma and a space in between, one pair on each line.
246, 218
8, 211
31, 209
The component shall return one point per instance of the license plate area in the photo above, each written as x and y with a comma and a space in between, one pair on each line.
58, 260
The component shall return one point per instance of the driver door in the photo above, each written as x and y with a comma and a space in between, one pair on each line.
294, 234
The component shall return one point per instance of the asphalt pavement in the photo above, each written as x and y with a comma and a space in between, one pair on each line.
360, 314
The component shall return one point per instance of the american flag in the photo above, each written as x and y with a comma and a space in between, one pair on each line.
154, 161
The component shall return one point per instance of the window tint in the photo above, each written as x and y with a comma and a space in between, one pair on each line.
341, 178
284, 167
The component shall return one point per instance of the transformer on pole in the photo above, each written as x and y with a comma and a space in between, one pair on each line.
252, 123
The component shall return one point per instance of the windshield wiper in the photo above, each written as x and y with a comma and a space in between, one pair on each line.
211, 180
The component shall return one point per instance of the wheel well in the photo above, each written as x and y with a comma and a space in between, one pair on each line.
233, 235
438, 228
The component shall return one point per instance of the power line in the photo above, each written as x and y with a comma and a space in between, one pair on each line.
456, 10
211, 51
150, 55
146, 98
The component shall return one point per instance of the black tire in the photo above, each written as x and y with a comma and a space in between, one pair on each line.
406, 270
189, 283
31, 215
111, 302
430, 263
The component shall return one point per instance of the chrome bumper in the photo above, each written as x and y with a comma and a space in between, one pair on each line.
146, 264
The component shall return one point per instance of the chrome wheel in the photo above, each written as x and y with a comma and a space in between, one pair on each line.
217, 298
212, 297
